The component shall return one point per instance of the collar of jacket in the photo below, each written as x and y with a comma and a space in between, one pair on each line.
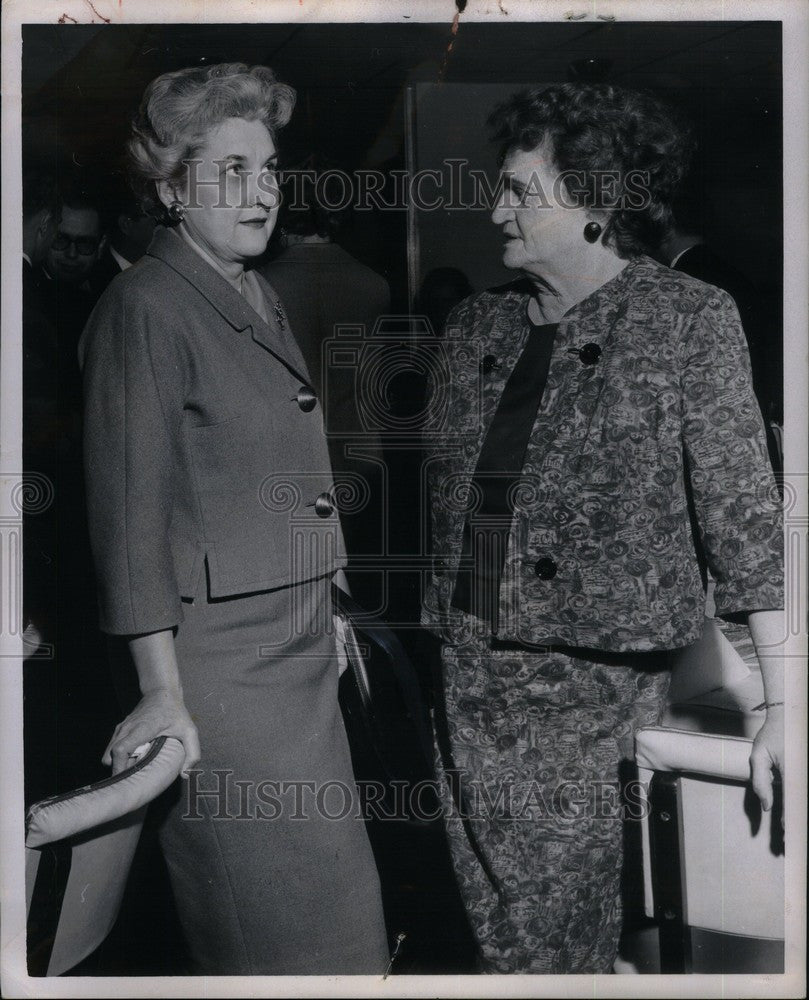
504, 329
601, 308
233, 307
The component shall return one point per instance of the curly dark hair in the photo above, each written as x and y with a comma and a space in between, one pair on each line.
591, 130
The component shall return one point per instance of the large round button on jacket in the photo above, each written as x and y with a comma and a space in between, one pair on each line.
590, 354
306, 398
545, 568
324, 505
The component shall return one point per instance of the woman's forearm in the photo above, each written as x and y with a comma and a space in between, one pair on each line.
156, 662
161, 710
767, 632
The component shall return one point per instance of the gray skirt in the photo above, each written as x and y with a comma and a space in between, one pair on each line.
267, 852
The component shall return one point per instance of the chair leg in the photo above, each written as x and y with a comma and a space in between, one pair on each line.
664, 821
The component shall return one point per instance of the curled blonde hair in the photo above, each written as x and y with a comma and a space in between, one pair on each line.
179, 109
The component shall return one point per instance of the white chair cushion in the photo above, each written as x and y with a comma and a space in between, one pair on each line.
73, 812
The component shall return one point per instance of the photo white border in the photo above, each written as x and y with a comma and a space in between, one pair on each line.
795, 17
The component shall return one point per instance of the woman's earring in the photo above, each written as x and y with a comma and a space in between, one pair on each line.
176, 211
592, 231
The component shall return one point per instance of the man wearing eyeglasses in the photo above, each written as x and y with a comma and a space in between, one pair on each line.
67, 276
77, 245
66, 295
66, 273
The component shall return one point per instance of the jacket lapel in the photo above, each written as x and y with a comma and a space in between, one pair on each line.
232, 306
574, 388
275, 335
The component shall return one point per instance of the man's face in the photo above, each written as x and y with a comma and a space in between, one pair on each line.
76, 246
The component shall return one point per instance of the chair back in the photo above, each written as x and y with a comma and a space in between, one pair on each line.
713, 861
79, 848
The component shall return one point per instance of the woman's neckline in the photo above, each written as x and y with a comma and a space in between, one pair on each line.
237, 283
615, 279
542, 327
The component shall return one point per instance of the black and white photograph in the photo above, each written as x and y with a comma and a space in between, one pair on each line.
404, 498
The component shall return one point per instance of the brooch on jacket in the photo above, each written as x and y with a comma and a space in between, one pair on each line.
279, 314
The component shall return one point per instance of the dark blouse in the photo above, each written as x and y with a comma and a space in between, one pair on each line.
498, 471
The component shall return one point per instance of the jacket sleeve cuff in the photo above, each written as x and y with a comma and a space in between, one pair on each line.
733, 598
117, 621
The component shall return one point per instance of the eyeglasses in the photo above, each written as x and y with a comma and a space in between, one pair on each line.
85, 245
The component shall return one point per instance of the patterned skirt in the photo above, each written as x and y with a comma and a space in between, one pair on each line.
531, 743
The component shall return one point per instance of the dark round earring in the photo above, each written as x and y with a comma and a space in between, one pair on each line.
592, 231
176, 211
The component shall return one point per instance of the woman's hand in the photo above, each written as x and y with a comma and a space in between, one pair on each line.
160, 712
767, 754
767, 629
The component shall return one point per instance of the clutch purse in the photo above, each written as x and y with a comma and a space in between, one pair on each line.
380, 695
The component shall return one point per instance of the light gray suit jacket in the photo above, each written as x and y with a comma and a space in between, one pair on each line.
196, 446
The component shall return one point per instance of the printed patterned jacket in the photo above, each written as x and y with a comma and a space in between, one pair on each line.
635, 450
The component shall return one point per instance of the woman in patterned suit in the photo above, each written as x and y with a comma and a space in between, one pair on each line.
614, 449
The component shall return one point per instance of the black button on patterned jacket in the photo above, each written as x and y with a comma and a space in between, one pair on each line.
662, 411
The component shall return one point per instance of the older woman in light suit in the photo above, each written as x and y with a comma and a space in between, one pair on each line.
215, 537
